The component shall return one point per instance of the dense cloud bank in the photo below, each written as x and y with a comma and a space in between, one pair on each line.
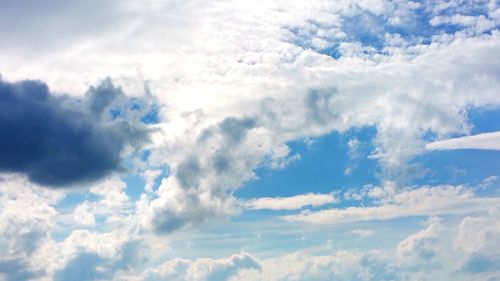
61, 140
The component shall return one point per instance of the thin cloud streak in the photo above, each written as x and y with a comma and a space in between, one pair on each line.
486, 141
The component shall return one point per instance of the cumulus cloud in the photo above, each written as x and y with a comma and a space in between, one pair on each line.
342, 265
205, 167
236, 83
488, 141
27, 217
203, 269
478, 239
421, 248
275, 73
58, 140
290, 203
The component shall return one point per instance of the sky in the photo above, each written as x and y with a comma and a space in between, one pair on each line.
261, 140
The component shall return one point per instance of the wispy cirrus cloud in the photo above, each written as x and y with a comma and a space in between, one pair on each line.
422, 201
290, 203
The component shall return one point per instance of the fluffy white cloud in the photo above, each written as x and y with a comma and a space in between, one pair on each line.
30, 223
83, 215
201, 269
420, 248
479, 239
343, 265
27, 218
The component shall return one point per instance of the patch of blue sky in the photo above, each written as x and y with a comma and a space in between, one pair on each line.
165, 172
370, 30
135, 104
469, 166
365, 28
484, 119
73, 198
331, 51
135, 181
61, 233
322, 166
320, 170
135, 185
133, 178
151, 117
145, 154
115, 113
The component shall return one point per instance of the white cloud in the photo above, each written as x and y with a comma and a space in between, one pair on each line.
30, 221
150, 176
478, 238
341, 265
290, 203
229, 60
111, 193
362, 232
83, 215
489, 141
420, 248
235, 82
202, 269
475, 24
111, 203
489, 182
27, 218
422, 201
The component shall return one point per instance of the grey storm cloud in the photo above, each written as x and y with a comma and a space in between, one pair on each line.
57, 140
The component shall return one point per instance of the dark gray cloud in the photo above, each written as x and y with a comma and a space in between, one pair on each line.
233, 131
194, 168
60, 140
319, 105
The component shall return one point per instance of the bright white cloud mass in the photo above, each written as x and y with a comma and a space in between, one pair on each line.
236, 140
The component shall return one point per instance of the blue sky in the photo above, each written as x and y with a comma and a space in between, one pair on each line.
227, 140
